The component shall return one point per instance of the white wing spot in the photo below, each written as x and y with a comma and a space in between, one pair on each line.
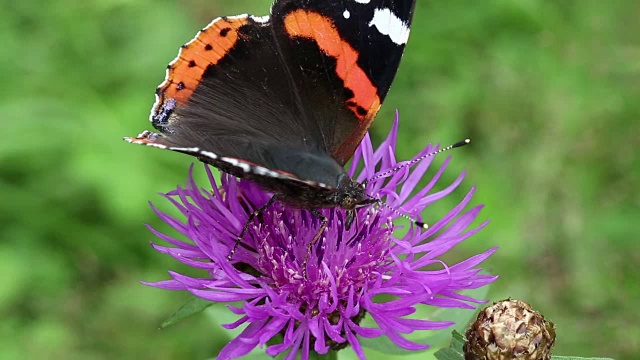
260, 19
389, 24
236, 17
209, 154
266, 172
245, 167
159, 146
346, 14
185, 149
363, 1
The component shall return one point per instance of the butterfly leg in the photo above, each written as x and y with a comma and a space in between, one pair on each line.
323, 226
248, 223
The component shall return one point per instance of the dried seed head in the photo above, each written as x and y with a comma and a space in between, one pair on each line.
509, 329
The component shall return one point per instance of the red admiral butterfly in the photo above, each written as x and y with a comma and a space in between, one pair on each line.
284, 100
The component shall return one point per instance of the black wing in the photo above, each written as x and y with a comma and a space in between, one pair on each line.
299, 87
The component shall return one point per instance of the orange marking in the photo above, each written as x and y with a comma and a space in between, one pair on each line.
321, 29
186, 71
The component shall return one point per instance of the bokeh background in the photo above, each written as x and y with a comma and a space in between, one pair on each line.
548, 90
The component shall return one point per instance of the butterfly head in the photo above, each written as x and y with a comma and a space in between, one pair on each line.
350, 196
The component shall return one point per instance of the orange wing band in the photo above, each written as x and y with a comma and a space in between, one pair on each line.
207, 48
319, 28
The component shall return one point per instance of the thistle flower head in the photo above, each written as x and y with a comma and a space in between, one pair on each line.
510, 329
348, 271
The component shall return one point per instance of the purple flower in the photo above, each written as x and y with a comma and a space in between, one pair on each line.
349, 271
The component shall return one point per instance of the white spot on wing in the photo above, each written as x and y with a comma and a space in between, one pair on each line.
159, 146
209, 154
245, 167
389, 24
260, 19
235, 17
266, 172
346, 14
363, 1
185, 149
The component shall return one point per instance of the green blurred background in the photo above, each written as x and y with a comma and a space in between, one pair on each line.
548, 90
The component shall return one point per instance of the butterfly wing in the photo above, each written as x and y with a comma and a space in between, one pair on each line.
283, 92
344, 55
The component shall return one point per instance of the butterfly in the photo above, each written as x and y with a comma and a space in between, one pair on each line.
284, 100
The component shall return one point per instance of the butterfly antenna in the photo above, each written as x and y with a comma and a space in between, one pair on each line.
406, 164
397, 212
410, 163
